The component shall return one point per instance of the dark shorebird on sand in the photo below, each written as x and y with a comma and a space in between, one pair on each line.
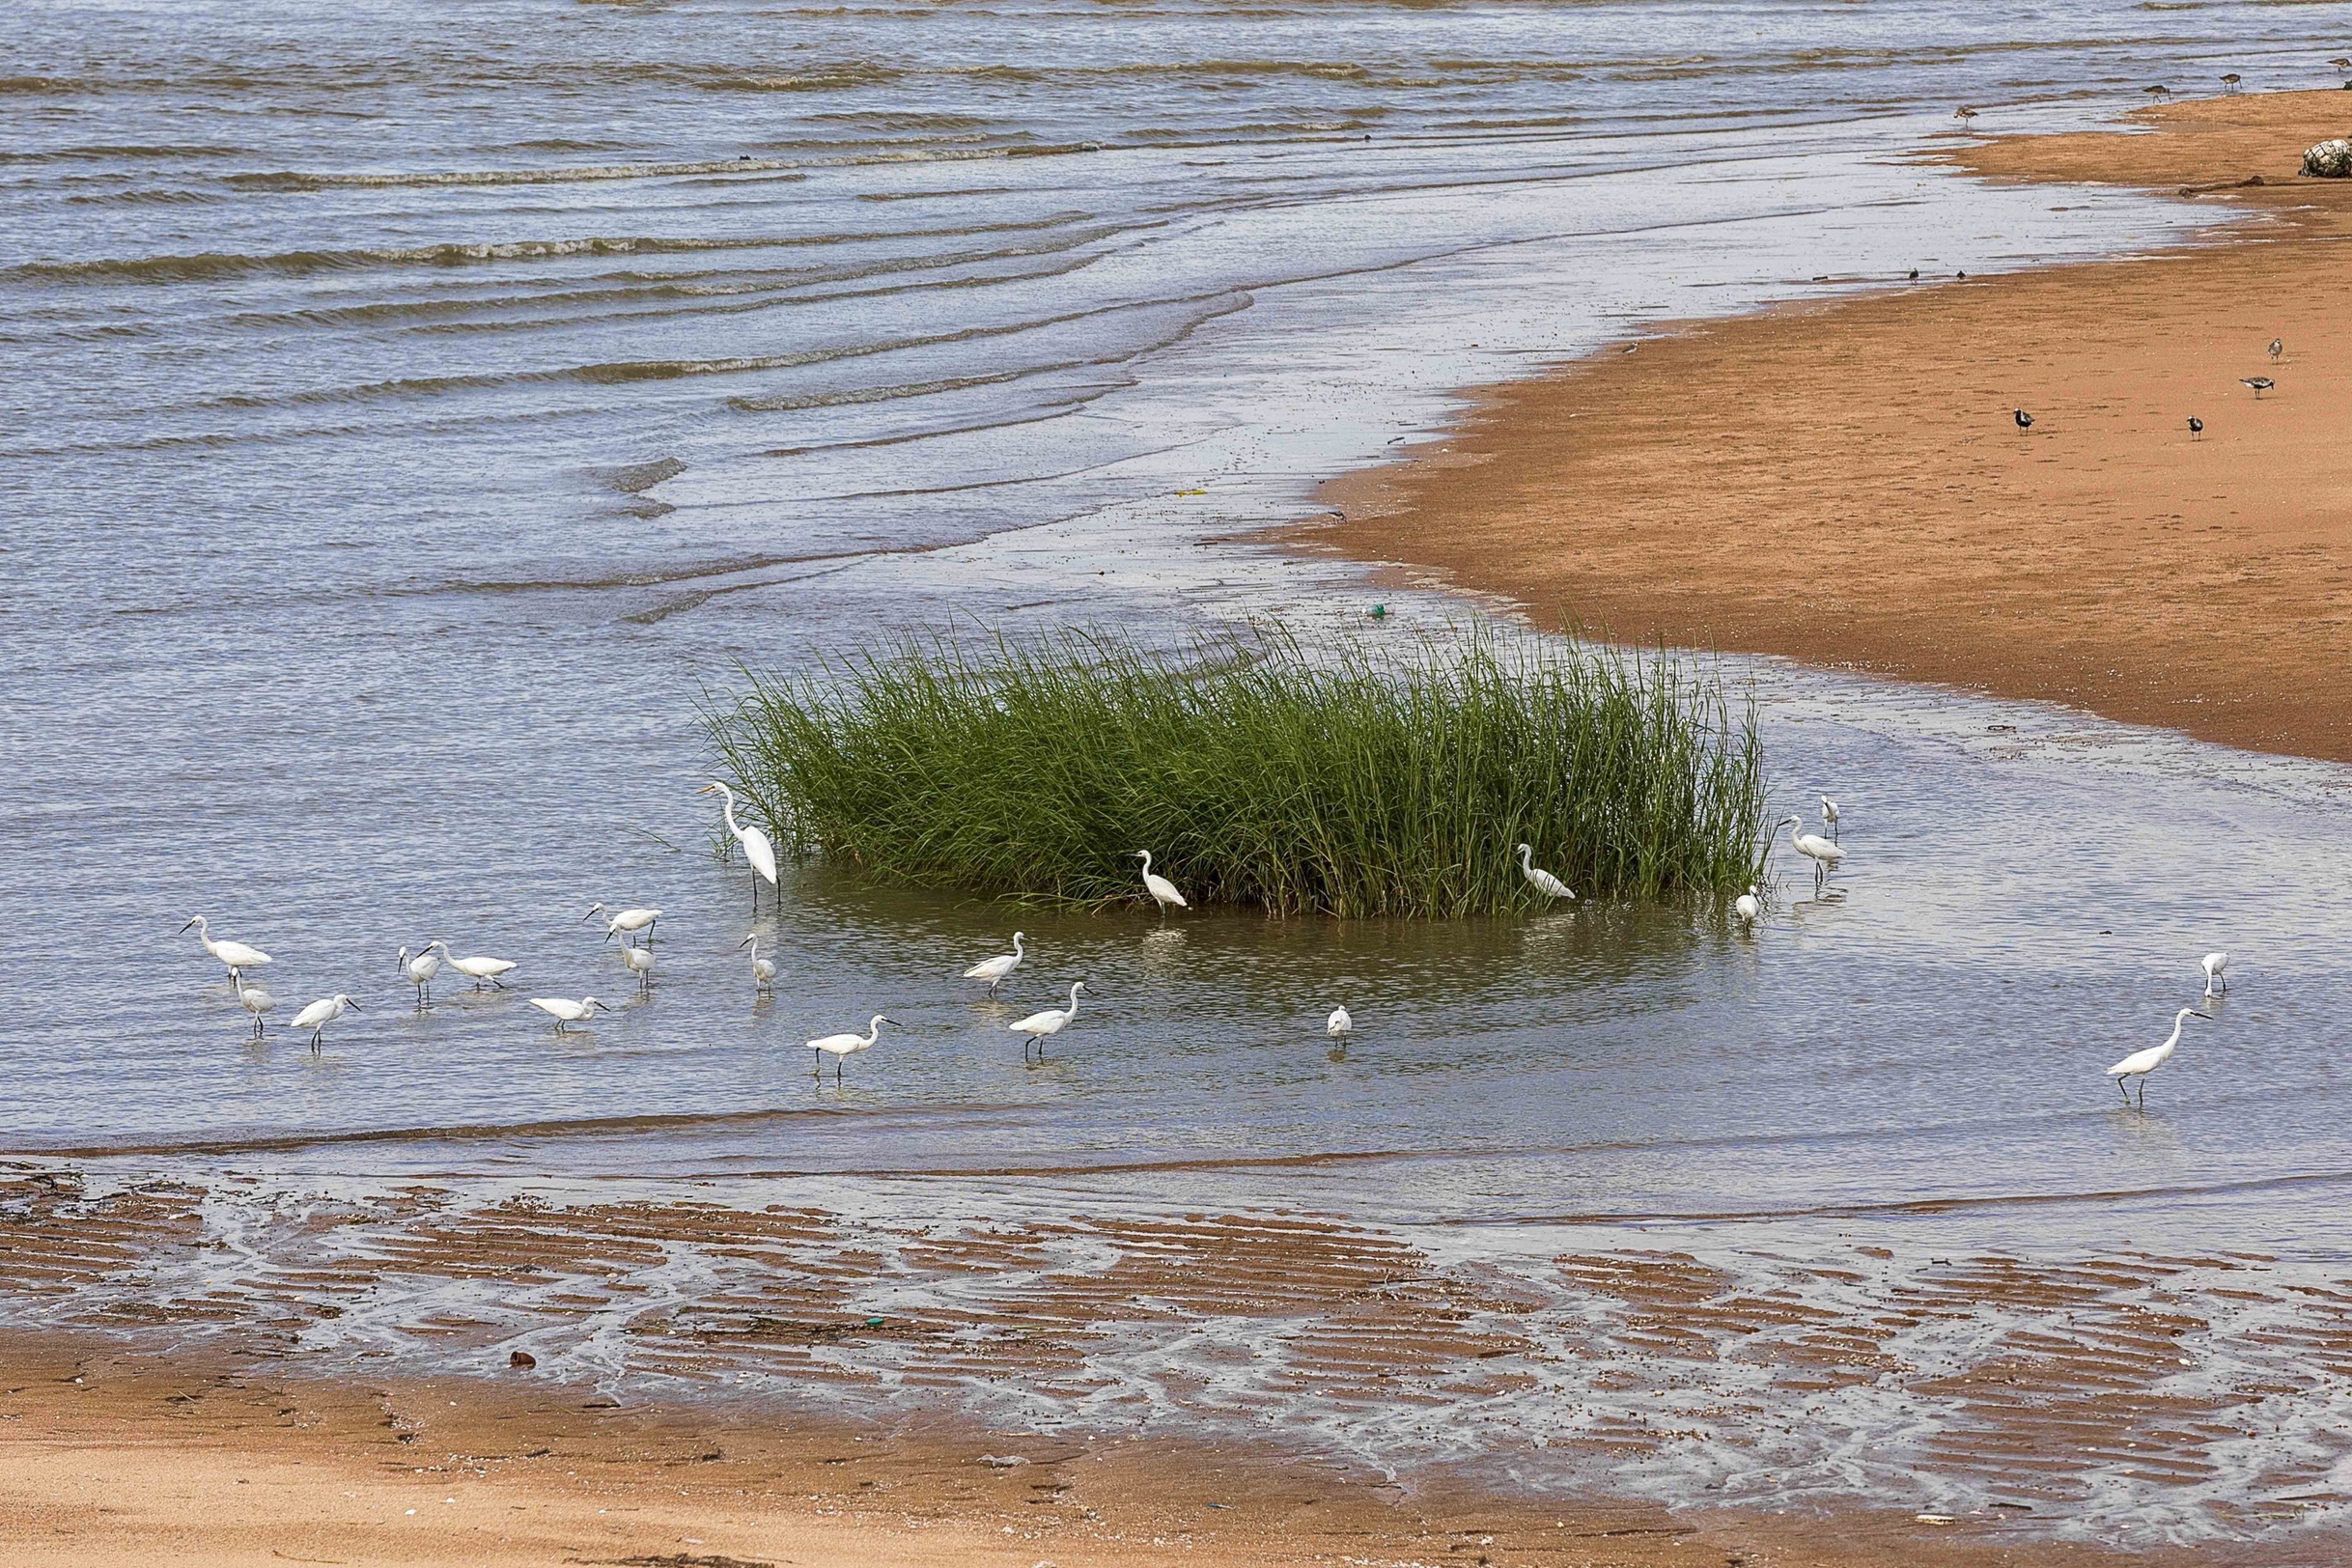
2196, 427
2260, 384
2024, 420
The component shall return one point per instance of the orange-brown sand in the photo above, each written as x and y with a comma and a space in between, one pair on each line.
1844, 483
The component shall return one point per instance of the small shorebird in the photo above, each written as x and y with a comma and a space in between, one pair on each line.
2229, 81
2024, 420
319, 1014
565, 1011
1542, 880
1163, 891
420, 971
840, 1046
2213, 963
1964, 112
624, 920
476, 968
2278, 346
236, 955
763, 970
1339, 1025
2196, 427
1043, 1027
2260, 384
2140, 1063
1749, 904
1913, 276
1828, 817
1824, 855
2159, 90
994, 969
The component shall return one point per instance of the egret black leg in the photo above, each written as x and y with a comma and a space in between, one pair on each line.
2124, 1089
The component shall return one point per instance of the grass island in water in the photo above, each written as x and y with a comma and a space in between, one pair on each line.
1350, 779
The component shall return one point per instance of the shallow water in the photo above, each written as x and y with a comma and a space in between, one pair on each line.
405, 427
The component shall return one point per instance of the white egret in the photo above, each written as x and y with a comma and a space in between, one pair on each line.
2140, 1063
1824, 855
1339, 1025
840, 1046
253, 999
477, 969
639, 962
319, 1014
565, 1011
1163, 891
624, 920
763, 970
2213, 963
756, 848
1828, 817
420, 971
1542, 880
1042, 1026
1749, 903
994, 969
236, 955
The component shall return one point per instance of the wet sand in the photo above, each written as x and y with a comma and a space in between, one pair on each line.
1842, 483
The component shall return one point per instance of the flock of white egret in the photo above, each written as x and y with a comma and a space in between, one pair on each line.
421, 967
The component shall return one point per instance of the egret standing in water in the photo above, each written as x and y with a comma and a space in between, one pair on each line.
2213, 963
639, 962
420, 971
1828, 817
477, 969
763, 970
566, 1012
319, 1014
1824, 855
756, 848
253, 999
1043, 1027
624, 920
1339, 1025
1749, 904
840, 1046
236, 955
2140, 1063
1542, 880
1163, 891
994, 969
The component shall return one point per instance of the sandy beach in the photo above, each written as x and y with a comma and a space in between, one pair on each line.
1844, 483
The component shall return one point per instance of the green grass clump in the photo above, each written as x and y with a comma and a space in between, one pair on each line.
1345, 779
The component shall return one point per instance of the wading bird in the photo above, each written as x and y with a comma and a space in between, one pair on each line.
839, 1046
2229, 81
1828, 817
2158, 91
1542, 880
236, 955
2024, 420
2213, 963
319, 1014
1163, 891
639, 962
1339, 1025
1749, 904
1043, 1027
756, 848
763, 970
1824, 855
2260, 384
477, 969
2196, 427
624, 920
1964, 112
2140, 1063
994, 969
420, 971
566, 1012
253, 999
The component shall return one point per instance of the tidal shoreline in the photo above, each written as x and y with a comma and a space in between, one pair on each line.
1844, 483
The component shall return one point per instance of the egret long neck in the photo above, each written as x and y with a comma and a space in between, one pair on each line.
1073, 990
1147, 863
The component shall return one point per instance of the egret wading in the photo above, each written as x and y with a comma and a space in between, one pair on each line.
1749, 904
566, 1012
420, 971
1542, 880
1339, 1025
840, 1046
236, 955
756, 848
319, 1014
624, 920
253, 999
477, 969
2140, 1063
1163, 891
639, 962
1039, 1028
2213, 963
994, 969
763, 970
1828, 817
1824, 855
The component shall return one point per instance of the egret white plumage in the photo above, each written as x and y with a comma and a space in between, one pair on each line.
623, 920
756, 848
639, 962
1339, 1025
565, 1011
2213, 963
253, 999
319, 1014
420, 971
477, 969
1750, 905
1043, 1027
1163, 891
1828, 817
763, 970
1824, 855
840, 1046
2140, 1063
994, 969
236, 955
1542, 880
